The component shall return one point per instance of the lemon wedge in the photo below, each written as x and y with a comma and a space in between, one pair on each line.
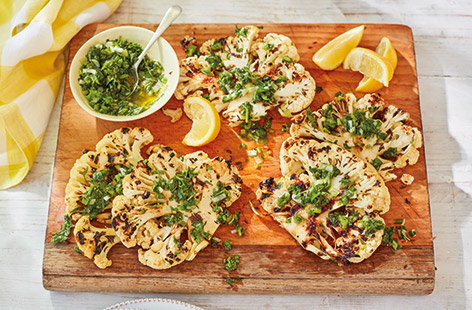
206, 121
332, 54
385, 49
370, 64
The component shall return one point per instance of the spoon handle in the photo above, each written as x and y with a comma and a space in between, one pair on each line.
172, 13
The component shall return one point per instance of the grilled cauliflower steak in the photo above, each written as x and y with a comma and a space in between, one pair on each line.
328, 200
171, 205
245, 77
93, 242
378, 134
96, 176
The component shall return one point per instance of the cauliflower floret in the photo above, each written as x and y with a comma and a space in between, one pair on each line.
174, 114
128, 216
126, 142
235, 113
81, 174
271, 51
379, 135
297, 93
407, 179
166, 252
236, 51
95, 243
115, 154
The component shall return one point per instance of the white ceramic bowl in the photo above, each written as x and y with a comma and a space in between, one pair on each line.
161, 51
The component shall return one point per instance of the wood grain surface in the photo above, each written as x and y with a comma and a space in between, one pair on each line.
271, 261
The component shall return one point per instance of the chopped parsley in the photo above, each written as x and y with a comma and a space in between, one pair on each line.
285, 127
283, 200
181, 187
287, 59
231, 262
220, 194
191, 50
331, 121
107, 80
297, 218
343, 220
391, 152
377, 162
227, 245
254, 130
78, 250
231, 280
174, 218
217, 44
198, 232
358, 123
215, 62
63, 234
241, 32
103, 186
389, 240
371, 225
234, 83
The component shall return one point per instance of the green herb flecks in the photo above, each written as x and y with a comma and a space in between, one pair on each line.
344, 220
181, 187
198, 232
231, 262
241, 32
103, 186
389, 240
391, 152
285, 127
106, 78
220, 194
371, 225
377, 162
283, 200
254, 130
63, 234
78, 250
227, 245
191, 50
231, 280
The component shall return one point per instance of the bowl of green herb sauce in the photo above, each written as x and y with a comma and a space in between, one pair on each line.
101, 74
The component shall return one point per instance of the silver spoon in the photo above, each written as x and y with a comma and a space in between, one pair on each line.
172, 13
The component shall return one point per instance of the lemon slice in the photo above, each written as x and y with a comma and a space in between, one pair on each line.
385, 49
332, 54
206, 121
370, 64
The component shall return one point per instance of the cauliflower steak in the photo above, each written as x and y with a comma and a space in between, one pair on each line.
172, 205
242, 69
329, 200
378, 134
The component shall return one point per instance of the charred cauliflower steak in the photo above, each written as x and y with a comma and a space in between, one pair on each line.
378, 134
328, 200
245, 77
96, 176
171, 205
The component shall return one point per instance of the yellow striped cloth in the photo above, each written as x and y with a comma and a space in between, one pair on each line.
33, 35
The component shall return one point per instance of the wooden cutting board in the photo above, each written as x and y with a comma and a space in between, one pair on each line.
271, 261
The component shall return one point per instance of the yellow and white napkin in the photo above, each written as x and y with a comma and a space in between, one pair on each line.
33, 35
